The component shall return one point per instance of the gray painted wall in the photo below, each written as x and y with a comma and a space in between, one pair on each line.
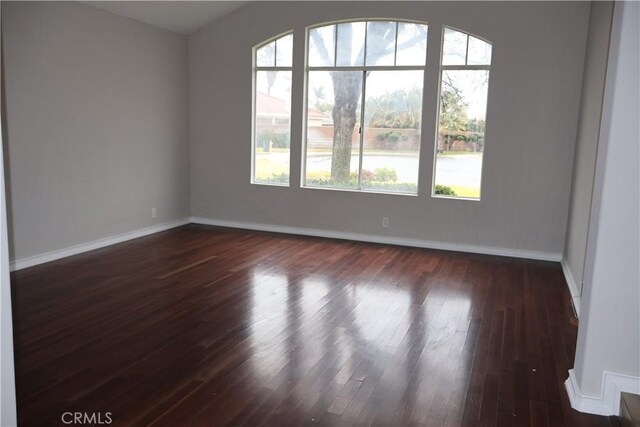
595, 68
534, 97
97, 125
609, 332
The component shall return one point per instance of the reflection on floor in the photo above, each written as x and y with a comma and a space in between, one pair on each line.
211, 326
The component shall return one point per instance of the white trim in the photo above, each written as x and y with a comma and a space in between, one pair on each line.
366, 68
608, 402
373, 238
574, 290
95, 244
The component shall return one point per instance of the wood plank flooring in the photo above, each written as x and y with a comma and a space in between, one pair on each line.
206, 326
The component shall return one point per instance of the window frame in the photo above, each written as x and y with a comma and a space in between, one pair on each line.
437, 122
361, 68
255, 68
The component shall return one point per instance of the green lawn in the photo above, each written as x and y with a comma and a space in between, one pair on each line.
266, 168
471, 192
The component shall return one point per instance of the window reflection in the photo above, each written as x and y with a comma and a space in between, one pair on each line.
268, 322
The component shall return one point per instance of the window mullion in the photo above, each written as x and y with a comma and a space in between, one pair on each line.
369, 68
362, 106
274, 68
395, 51
335, 45
466, 67
364, 56
466, 54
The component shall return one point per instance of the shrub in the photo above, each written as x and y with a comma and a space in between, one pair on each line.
445, 190
385, 175
280, 178
367, 176
391, 136
454, 136
399, 187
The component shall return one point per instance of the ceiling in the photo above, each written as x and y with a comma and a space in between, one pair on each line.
183, 17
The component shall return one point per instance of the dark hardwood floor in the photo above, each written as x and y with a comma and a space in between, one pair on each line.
209, 326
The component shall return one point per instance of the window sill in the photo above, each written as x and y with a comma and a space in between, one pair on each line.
349, 190
270, 184
468, 199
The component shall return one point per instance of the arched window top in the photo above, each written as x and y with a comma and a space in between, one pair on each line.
276, 52
368, 43
464, 49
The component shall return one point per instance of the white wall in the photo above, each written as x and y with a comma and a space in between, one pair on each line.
595, 68
534, 95
609, 331
97, 119
8, 415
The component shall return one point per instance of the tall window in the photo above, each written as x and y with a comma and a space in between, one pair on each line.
364, 105
272, 111
466, 61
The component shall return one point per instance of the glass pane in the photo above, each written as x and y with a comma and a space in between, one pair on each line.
381, 43
463, 105
454, 47
322, 46
479, 52
272, 127
333, 120
284, 51
265, 56
350, 49
412, 44
393, 110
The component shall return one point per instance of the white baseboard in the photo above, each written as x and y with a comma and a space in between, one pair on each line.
372, 238
100, 243
96, 244
608, 402
573, 286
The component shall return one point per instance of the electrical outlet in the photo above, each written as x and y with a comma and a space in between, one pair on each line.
153, 212
385, 222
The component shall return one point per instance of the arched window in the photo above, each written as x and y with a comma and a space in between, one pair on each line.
272, 111
464, 83
364, 105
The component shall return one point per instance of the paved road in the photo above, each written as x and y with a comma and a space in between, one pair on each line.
463, 170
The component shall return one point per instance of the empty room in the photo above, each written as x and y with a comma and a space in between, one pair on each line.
332, 213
